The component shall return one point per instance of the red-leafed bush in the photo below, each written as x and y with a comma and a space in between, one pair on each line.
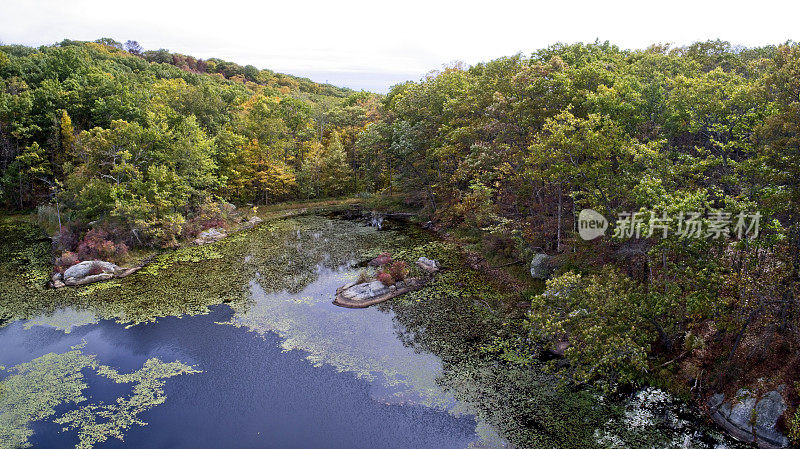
398, 270
66, 260
96, 245
385, 278
381, 260
96, 268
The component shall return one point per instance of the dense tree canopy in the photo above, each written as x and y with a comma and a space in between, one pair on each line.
519, 145
512, 149
110, 132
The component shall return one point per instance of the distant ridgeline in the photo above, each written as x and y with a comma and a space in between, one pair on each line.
143, 147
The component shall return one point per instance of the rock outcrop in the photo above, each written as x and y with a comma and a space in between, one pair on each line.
210, 236
251, 223
88, 272
368, 290
57, 281
429, 266
369, 293
540, 266
751, 419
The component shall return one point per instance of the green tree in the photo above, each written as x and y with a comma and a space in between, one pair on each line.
334, 172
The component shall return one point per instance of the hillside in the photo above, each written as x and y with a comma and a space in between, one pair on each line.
146, 138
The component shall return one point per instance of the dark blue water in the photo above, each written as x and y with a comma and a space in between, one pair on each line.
252, 394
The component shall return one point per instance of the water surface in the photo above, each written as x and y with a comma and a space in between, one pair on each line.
280, 369
237, 344
251, 393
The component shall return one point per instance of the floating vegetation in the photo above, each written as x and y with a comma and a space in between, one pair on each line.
25, 264
96, 423
191, 254
63, 319
91, 289
34, 390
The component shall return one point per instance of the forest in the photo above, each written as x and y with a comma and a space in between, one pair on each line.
116, 148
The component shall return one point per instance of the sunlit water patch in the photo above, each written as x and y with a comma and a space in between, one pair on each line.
360, 341
64, 319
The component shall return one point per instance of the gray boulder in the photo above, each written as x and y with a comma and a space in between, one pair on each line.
57, 281
540, 266
251, 223
210, 236
751, 419
367, 290
428, 265
88, 272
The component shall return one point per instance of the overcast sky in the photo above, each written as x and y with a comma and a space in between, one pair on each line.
372, 45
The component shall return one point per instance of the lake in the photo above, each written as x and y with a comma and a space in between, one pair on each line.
237, 344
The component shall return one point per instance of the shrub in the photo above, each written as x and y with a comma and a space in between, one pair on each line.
66, 260
398, 270
163, 232
47, 216
96, 245
191, 229
363, 277
67, 238
386, 278
96, 268
381, 260
605, 317
209, 215
794, 422
475, 209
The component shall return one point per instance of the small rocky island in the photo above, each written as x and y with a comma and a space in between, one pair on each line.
391, 280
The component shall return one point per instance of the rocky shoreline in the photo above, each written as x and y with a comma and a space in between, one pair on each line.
91, 271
